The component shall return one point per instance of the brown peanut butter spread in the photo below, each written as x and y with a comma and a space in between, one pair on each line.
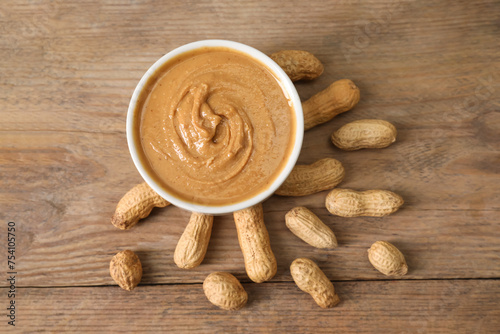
216, 127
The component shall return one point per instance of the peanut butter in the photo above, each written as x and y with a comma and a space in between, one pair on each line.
216, 127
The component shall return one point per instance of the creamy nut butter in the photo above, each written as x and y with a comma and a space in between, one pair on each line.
216, 127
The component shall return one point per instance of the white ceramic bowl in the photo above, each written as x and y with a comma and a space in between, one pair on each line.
288, 87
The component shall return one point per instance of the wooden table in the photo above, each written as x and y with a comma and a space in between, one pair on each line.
68, 69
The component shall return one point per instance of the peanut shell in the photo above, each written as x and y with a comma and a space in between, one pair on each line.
225, 291
193, 244
260, 263
308, 227
373, 203
125, 268
364, 133
298, 64
339, 97
305, 180
309, 278
387, 259
136, 204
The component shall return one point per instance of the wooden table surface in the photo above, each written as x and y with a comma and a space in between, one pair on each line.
432, 68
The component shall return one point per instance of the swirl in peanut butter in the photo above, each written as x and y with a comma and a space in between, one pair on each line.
216, 127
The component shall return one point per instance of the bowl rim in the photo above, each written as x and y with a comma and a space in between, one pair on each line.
287, 86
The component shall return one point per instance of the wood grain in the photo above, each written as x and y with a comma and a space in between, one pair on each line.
365, 307
63, 196
68, 70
